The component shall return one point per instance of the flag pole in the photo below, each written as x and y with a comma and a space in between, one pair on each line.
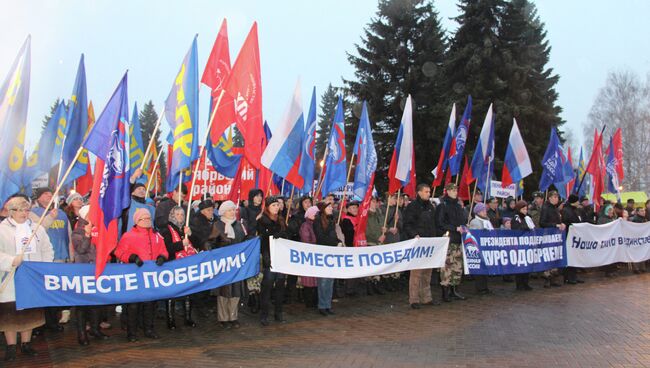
11, 274
153, 137
205, 168
600, 139
399, 191
152, 175
196, 166
345, 192
320, 176
289, 207
387, 209
471, 206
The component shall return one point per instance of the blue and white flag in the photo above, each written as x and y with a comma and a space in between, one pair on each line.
364, 150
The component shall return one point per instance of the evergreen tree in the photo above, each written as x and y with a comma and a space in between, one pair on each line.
530, 96
47, 117
473, 68
328, 102
148, 119
402, 53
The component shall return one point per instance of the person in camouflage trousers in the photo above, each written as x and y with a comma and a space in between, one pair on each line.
450, 216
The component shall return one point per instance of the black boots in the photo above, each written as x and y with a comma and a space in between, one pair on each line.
187, 303
254, 303
82, 335
26, 349
455, 294
170, 311
445, 294
10, 353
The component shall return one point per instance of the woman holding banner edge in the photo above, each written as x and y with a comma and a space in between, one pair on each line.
15, 232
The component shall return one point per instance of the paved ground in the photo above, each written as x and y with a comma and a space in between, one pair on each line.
602, 323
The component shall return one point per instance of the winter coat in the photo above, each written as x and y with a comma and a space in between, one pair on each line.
495, 217
171, 245
571, 215
249, 214
449, 216
479, 223
390, 237
519, 222
202, 229
84, 251
161, 217
419, 219
145, 243
327, 235
373, 226
43, 252
223, 240
307, 234
348, 227
295, 223
535, 213
267, 228
550, 216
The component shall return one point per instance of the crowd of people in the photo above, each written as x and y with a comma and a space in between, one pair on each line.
154, 229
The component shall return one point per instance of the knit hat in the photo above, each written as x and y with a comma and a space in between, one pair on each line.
72, 197
140, 213
206, 204
40, 191
322, 206
573, 199
519, 205
135, 186
479, 207
270, 200
225, 206
352, 203
311, 211
83, 212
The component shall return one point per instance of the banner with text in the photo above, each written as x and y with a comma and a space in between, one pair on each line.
41, 284
599, 245
504, 252
295, 258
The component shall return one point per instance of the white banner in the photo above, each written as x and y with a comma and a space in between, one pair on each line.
497, 191
295, 258
599, 245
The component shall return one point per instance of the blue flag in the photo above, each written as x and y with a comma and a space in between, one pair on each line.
552, 163
482, 163
77, 124
364, 150
109, 141
42, 159
14, 99
136, 151
613, 181
335, 162
182, 113
223, 159
308, 157
460, 138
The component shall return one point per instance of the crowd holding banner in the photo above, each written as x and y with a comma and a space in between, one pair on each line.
134, 248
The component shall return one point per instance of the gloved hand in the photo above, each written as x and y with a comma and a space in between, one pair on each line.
135, 259
160, 260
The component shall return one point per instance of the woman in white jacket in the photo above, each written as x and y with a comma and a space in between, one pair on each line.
15, 232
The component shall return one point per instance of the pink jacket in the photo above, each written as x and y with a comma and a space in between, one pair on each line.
146, 243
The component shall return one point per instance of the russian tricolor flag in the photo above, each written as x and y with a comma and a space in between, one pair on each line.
484, 155
516, 164
282, 154
438, 171
401, 172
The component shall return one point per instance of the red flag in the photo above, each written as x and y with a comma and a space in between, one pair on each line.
394, 184
104, 239
596, 167
360, 232
617, 143
571, 182
245, 87
235, 194
217, 70
465, 181
85, 182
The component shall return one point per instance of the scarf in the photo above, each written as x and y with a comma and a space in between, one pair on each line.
230, 231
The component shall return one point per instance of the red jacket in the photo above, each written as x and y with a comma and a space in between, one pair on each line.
146, 243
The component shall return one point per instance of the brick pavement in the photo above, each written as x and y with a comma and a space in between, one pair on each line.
602, 323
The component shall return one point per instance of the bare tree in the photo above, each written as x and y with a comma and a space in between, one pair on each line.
624, 102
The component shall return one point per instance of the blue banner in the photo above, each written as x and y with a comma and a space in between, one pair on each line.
505, 252
41, 284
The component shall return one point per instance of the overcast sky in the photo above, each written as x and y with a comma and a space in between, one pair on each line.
306, 39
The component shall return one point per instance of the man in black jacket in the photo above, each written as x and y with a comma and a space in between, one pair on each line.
571, 214
450, 216
419, 221
202, 226
550, 217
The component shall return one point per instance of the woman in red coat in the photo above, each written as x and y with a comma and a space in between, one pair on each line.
140, 244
